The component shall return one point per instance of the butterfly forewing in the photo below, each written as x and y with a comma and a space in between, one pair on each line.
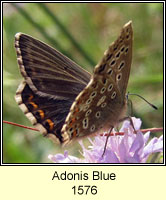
47, 71
103, 103
116, 62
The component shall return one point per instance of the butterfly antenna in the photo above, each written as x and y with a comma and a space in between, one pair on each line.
153, 106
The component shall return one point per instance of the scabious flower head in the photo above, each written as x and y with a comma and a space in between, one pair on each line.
129, 148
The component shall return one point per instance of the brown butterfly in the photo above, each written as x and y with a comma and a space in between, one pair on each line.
64, 101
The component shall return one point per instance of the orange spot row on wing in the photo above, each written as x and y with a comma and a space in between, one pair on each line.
35, 106
30, 97
51, 124
72, 121
41, 113
74, 134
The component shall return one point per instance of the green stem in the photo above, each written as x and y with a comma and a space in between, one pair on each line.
40, 29
67, 33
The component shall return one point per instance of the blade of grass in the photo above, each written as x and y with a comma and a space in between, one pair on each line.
66, 33
40, 29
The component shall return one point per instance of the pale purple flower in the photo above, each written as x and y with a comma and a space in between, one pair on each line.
129, 148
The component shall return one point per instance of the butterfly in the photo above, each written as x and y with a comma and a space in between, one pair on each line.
64, 101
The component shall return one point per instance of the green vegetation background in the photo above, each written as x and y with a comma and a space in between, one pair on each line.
94, 26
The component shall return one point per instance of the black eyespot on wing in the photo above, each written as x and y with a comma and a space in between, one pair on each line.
102, 67
109, 57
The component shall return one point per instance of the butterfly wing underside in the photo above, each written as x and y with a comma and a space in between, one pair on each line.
51, 83
103, 103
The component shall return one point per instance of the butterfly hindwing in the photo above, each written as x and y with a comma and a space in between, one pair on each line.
46, 114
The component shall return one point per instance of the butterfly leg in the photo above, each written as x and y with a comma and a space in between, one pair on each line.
105, 146
131, 122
